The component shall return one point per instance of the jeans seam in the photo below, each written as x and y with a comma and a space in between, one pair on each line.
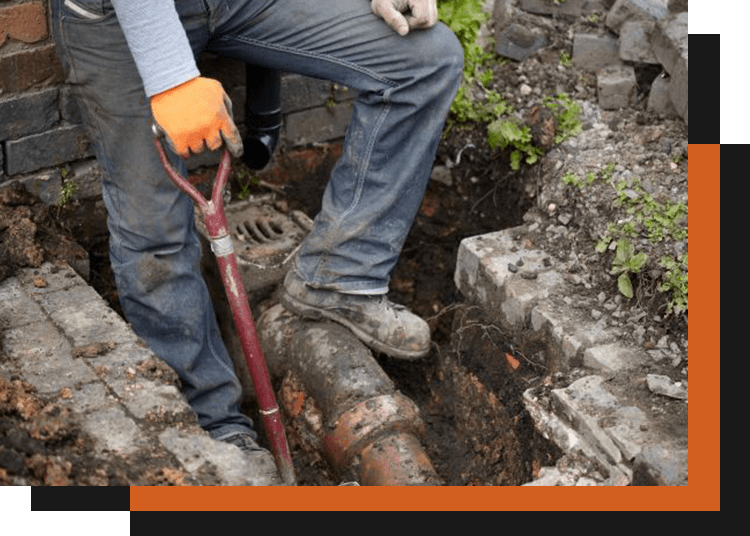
306, 54
366, 159
91, 126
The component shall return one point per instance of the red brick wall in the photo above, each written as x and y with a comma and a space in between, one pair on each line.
27, 57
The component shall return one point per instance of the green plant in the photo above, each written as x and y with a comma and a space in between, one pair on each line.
572, 179
504, 132
245, 181
67, 191
627, 262
568, 115
661, 220
566, 60
465, 17
675, 280
593, 18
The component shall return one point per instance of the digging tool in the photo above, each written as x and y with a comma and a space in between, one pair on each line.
221, 244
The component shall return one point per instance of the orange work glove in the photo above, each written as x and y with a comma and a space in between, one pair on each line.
195, 115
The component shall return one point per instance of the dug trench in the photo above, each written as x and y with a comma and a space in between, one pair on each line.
468, 389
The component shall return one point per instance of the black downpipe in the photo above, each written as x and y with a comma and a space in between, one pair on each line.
262, 115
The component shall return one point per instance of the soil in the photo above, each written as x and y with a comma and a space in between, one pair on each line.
468, 388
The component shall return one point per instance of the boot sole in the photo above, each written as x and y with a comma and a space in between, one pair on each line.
315, 313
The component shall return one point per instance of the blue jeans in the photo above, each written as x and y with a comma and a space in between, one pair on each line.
406, 86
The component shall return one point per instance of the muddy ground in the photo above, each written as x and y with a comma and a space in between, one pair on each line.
468, 388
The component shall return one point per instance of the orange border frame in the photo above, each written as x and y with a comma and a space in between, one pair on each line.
702, 493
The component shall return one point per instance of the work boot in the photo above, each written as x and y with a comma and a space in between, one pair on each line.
261, 459
381, 324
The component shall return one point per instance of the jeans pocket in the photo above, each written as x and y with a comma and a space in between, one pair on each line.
91, 10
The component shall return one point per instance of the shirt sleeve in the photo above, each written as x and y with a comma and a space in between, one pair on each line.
158, 42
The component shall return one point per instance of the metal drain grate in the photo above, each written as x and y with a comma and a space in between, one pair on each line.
264, 239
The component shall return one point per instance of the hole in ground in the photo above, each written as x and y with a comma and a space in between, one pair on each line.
469, 388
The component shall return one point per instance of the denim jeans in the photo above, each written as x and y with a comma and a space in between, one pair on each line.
406, 86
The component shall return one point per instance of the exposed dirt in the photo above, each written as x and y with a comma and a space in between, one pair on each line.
468, 388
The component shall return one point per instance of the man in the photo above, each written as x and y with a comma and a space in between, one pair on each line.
131, 63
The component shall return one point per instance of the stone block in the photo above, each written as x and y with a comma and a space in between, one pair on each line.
87, 177
18, 309
635, 41
68, 105
45, 357
593, 51
518, 42
29, 113
584, 403
324, 123
670, 41
573, 8
48, 149
47, 185
661, 465
678, 87
616, 87
612, 358
625, 10
301, 93
26, 69
658, 97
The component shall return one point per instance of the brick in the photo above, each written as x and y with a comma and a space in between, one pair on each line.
27, 69
317, 124
23, 22
624, 10
29, 113
593, 51
615, 87
48, 149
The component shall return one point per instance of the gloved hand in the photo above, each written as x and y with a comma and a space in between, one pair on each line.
195, 115
405, 15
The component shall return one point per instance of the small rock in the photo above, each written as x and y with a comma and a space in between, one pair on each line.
662, 385
442, 175
596, 314
524, 89
512, 268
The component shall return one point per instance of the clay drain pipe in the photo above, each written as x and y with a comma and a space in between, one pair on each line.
221, 244
343, 403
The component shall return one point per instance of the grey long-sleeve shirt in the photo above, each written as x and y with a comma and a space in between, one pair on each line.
158, 42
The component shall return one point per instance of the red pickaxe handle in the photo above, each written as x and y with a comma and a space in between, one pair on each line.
221, 244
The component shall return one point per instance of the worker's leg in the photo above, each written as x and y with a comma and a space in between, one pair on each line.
154, 246
406, 86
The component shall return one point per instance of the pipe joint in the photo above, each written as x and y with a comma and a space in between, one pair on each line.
368, 421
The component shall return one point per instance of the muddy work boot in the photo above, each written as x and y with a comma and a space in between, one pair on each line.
261, 459
382, 325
